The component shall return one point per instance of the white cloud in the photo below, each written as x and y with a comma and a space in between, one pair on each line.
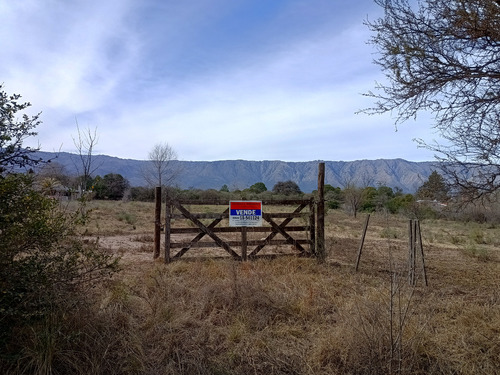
67, 55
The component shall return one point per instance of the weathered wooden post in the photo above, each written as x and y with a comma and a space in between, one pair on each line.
168, 219
362, 242
411, 242
244, 243
156, 252
422, 253
412, 253
320, 212
312, 224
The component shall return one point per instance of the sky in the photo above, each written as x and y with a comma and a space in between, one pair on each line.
215, 79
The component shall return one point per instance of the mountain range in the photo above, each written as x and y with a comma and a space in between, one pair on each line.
241, 174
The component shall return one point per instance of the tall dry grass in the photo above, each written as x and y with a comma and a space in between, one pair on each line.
291, 315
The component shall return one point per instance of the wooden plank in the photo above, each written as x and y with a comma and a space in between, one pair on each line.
204, 202
244, 243
206, 230
320, 212
286, 215
168, 215
208, 215
267, 229
222, 202
237, 243
157, 236
312, 226
274, 232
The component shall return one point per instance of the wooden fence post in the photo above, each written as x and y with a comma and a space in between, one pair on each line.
156, 252
244, 243
168, 219
320, 212
362, 241
422, 253
312, 224
412, 253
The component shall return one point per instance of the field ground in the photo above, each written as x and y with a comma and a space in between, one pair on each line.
292, 315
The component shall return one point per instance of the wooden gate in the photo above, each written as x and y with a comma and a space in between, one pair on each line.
241, 243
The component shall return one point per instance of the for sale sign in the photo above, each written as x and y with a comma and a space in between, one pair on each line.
245, 213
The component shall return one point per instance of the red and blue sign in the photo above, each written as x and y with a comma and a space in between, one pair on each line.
245, 213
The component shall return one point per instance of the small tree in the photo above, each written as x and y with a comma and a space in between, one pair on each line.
435, 188
258, 188
287, 188
111, 186
353, 198
160, 170
14, 131
383, 196
354, 192
402, 202
333, 196
85, 143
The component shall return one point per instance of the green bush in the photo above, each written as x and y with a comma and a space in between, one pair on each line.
127, 217
44, 265
333, 205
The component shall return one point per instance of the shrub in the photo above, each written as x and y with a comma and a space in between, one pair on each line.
44, 265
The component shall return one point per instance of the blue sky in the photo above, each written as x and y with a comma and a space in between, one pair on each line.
216, 79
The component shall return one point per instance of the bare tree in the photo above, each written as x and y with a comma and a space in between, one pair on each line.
353, 197
160, 170
354, 192
85, 144
441, 56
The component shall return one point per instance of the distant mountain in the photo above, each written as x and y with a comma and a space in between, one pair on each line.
240, 174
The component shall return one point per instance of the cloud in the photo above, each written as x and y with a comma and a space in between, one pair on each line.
69, 55
215, 79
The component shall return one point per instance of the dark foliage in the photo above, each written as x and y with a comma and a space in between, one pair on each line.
287, 188
112, 186
13, 131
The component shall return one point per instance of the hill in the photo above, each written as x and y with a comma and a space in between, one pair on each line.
240, 174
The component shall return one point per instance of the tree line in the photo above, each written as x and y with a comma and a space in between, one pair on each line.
53, 181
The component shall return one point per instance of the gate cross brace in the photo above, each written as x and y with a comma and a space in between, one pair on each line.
279, 229
276, 231
206, 230
200, 235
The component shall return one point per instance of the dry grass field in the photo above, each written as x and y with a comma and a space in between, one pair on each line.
292, 315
